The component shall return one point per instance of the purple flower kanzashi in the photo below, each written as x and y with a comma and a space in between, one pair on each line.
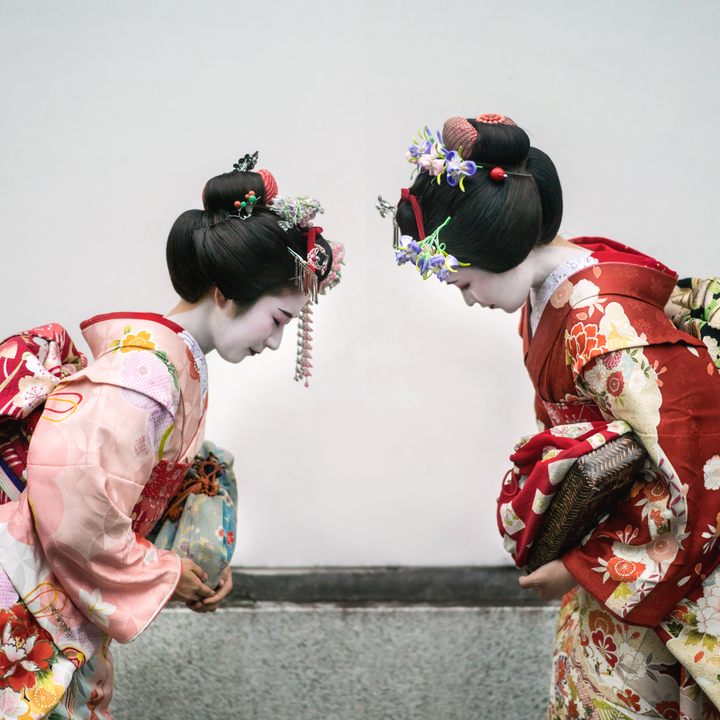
458, 169
408, 250
429, 255
422, 145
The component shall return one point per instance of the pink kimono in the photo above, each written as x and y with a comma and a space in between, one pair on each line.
108, 453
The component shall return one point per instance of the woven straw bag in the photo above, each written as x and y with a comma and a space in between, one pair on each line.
592, 486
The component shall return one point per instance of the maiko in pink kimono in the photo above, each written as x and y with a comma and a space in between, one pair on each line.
111, 446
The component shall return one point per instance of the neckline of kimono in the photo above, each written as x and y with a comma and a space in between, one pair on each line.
659, 279
154, 317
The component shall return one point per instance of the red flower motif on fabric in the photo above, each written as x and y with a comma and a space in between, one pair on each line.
26, 648
622, 570
194, 374
599, 620
657, 517
582, 343
656, 490
607, 646
612, 359
629, 698
669, 710
615, 384
572, 711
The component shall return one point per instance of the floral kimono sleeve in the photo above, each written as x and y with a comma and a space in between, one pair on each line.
657, 544
91, 455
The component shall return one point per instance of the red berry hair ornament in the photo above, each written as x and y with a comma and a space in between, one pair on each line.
495, 119
497, 174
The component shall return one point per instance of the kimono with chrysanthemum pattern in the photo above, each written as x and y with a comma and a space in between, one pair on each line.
640, 637
107, 454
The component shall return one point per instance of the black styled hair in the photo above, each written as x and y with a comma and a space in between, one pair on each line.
243, 257
494, 225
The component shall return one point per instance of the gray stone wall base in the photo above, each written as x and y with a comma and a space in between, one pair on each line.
276, 661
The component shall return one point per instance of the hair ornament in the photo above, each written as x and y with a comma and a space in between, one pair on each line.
270, 183
296, 211
428, 255
441, 154
495, 119
429, 154
307, 280
246, 163
386, 208
300, 212
335, 274
245, 207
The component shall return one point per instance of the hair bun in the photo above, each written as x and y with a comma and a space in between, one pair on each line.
499, 140
458, 133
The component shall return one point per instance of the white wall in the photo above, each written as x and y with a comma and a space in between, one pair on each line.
115, 113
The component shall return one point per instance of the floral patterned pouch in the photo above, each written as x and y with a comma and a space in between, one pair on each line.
201, 520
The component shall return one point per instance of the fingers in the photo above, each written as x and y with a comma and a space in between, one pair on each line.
223, 591
203, 591
195, 568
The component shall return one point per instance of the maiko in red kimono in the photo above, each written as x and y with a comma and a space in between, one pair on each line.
640, 636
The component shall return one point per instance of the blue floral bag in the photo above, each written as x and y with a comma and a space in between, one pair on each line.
201, 521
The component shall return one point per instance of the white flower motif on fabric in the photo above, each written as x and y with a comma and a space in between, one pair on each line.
509, 544
541, 502
711, 473
584, 294
558, 470
708, 610
571, 430
540, 298
96, 608
618, 330
510, 520
619, 426
597, 440
11, 704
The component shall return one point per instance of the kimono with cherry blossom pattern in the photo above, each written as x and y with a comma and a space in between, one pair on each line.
640, 636
108, 453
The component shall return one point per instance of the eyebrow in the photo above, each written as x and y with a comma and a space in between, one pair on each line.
286, 313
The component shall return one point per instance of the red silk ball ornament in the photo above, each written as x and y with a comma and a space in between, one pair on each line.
497, 174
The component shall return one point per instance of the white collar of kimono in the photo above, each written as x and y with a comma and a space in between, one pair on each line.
540, 297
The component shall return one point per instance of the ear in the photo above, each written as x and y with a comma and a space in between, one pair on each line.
219, 299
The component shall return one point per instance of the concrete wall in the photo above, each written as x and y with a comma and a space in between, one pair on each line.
116, 113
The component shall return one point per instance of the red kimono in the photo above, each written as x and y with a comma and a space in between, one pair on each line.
605, 359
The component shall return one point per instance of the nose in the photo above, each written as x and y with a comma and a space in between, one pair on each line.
468, 297
273, 342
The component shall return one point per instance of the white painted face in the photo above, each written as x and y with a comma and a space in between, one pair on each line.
507, 291
238, 335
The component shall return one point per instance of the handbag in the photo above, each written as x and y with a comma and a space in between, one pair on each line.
590, 489
201, 520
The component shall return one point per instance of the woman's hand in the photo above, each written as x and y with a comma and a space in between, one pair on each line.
191, 586
210, 604
550, 581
